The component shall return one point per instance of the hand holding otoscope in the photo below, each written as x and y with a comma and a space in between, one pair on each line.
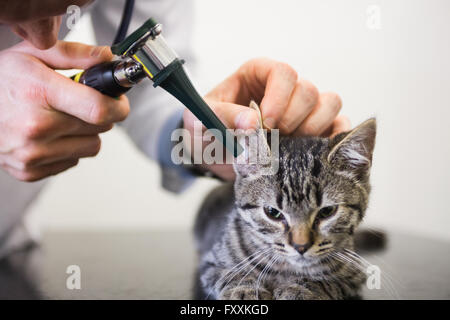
144, 53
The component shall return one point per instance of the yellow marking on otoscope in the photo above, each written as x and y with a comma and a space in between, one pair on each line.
145, 68
78, 76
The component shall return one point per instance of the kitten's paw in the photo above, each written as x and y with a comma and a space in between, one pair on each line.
294, 292
245, 293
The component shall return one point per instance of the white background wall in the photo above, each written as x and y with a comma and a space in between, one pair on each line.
399, 73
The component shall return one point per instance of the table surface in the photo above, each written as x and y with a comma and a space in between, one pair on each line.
161, 265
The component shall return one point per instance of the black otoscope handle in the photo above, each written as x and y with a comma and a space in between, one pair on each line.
174, 80
101, 77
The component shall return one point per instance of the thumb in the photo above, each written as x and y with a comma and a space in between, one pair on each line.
68, 55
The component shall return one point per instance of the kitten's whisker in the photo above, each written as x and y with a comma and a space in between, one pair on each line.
231, 274
390, 287
333, 261
278, 257
246, 260
356, 257
347, 262
387, 266
356, 265
238, 267
333, 276
261, 275
390, 280
240, 281
261, 253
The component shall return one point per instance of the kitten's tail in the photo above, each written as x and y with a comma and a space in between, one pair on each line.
370, 240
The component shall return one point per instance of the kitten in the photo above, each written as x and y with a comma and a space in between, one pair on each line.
289, 235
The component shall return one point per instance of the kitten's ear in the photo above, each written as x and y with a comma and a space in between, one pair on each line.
253, 105
255, 159
352, 151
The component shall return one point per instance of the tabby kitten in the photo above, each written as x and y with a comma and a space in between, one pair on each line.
289, 235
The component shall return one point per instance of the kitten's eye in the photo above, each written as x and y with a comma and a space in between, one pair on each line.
273, 213
326, 212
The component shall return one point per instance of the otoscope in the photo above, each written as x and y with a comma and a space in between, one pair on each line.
145, 54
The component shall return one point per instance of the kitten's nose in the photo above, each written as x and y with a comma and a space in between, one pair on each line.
301, 238
302, 248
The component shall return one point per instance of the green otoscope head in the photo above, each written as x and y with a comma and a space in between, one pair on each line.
147, 47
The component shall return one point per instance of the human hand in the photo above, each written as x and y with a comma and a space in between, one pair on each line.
47, 121
292, 105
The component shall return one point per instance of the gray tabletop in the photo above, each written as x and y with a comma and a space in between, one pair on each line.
161, 265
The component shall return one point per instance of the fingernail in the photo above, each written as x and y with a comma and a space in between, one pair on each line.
245, 120
269, 123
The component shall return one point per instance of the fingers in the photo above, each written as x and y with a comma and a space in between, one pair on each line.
85, 129
294, 107
280, 83
321, 117
35, 156
274, 82
340, 124
304, 97
232, 115
39, 173
67, 125
68, 96
49, 125
68, 55
83, 102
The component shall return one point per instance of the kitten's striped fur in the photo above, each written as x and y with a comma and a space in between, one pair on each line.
246, 255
